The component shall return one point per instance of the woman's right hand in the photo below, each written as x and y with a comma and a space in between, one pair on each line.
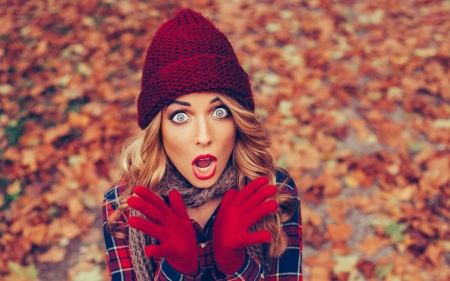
170, 225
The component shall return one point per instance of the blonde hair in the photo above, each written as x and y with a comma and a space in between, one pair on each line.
143, 162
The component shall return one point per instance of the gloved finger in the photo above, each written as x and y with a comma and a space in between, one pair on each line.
147, 209
151, 197
159, 251
249, 189
149, 228
258, 198
254, 238
177, 204
228, 198
260, 212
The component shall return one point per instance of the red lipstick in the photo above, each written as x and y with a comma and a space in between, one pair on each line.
204, 166
204, 156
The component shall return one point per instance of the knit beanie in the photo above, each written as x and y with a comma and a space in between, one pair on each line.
189, 54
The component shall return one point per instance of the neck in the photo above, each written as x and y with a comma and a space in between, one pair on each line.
202, 213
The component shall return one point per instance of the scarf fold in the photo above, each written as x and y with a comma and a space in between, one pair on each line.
193, 197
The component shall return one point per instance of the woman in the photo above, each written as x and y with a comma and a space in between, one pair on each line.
199, 196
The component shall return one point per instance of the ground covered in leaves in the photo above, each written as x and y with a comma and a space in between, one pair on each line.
354, 94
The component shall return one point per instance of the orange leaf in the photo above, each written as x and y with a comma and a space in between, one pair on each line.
372, 244
36, 234
339, 232
54, 255
56, 132
434, 253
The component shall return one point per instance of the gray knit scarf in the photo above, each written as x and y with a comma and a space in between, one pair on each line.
193, 197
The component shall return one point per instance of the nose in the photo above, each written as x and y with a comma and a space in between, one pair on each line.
203, 136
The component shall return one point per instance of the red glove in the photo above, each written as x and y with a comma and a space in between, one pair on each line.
238, 212
170, 225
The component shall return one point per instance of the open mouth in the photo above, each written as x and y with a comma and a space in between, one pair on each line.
204, 166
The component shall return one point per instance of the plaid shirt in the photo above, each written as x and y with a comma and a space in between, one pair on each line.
288, 267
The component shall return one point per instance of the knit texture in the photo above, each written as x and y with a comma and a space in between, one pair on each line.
194, 197
188, 54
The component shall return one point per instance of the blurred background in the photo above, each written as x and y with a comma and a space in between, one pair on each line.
354, 95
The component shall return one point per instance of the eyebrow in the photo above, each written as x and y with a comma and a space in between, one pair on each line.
188, 104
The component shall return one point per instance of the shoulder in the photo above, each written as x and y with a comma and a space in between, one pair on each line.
286, 182
112, 193
111, 196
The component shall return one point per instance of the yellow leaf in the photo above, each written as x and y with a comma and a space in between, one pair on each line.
14, 188
18, 272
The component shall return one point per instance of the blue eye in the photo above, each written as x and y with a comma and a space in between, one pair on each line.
179, 117
220, 112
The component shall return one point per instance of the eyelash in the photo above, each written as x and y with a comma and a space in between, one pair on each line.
224, 107
173, 114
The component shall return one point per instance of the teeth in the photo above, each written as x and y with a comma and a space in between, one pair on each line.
203, 169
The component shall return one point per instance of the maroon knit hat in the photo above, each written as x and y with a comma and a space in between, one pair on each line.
189, 54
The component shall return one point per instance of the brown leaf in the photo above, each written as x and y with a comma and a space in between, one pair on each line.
311, 216
331, 185
7, 24
324, 143
64, 227
88, 6
54, 133
14, 188
78, 120
36, 234
18, 225
404, 194
367, 268
11, 153
314, 236
54, 255
434, 254
75, 207
322, 258
356, 178
41, 48
337, 210
339, 232
372, 244
310, 159
15, 247
28, 159
360, 127
320, 273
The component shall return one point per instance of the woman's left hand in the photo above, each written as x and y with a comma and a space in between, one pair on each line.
170, 225
238, 212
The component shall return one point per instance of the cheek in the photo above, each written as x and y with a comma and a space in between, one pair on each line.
228, 137
171, 139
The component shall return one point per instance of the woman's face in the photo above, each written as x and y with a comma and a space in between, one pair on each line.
198, 135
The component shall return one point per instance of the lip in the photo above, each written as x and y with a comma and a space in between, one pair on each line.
209, 171
203, 156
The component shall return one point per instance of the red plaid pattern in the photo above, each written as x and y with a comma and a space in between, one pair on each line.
205, 255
